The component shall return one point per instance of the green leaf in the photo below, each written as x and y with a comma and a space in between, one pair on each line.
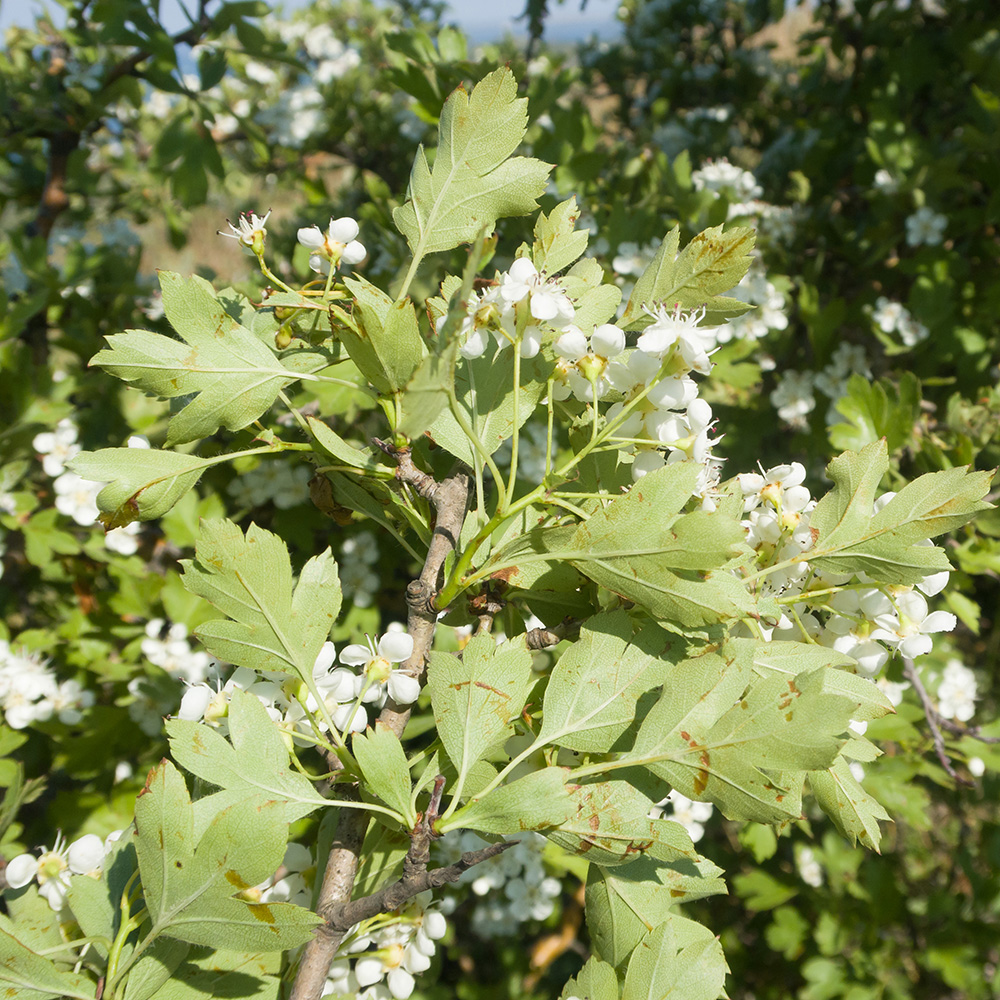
872, 410
383, 764
90, 901
640, 547
744, 749
143, 483
387, 346
627, 902
155, 967
473, 182
255, 762
538, 801
477, 698
680, 959
484, 388
190, 890
235, 377
591, 697
595, 981
336, 447
274, 626
557, 240
611, 826
712, 263
33, 977
854, 812
850, 539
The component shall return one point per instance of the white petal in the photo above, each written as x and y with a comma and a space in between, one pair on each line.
21, 870
396, 646
85, 854
572, 345
311, 237
355, 655
403, 689
324, 659
354, 253
368, 971
522, 270
939, 621
194, 703
607, 340
343, 230
401, 984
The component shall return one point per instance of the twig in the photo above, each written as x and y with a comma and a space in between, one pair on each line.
540, 638
933, 718
450, 498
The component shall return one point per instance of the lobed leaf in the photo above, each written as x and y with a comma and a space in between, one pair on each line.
233, 376
854, 812
712, 263
473, 181
272, 625
680, 959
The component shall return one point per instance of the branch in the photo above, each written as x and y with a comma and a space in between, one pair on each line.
450, 498
933, 718
540, 638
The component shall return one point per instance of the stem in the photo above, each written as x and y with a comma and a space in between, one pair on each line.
271, 276
299, 419
410, 275
515, 437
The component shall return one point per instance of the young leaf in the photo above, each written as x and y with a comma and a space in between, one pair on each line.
473, 181
538, 801
712, 263
274, 626
234, 376
641, 548
477, 698
680, 959
592, 692
557, 240
383, 764
255, 762
143, 483
387, 346
854, 812
485, 391
627, 902
190, 891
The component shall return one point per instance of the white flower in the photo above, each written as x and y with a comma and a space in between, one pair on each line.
393, 647
57, 447
124, 540
909, 631
691, 815
546, 300
957, 692
885, 182
887, 314
53, 869
674, 326
793, 398
76, 497
925, 226
532, 900
339, 244
977, 766
250, 232
781, 487
810, 870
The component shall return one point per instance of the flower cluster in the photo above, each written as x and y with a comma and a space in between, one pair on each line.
957, 692
54, 868
381, 958
167, 646
358, 580
862, 621
280, 483
347, 693
31, 692
893, 317
795, 395
509, 889
757, 290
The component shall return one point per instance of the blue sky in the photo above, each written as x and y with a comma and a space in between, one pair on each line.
482, 21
